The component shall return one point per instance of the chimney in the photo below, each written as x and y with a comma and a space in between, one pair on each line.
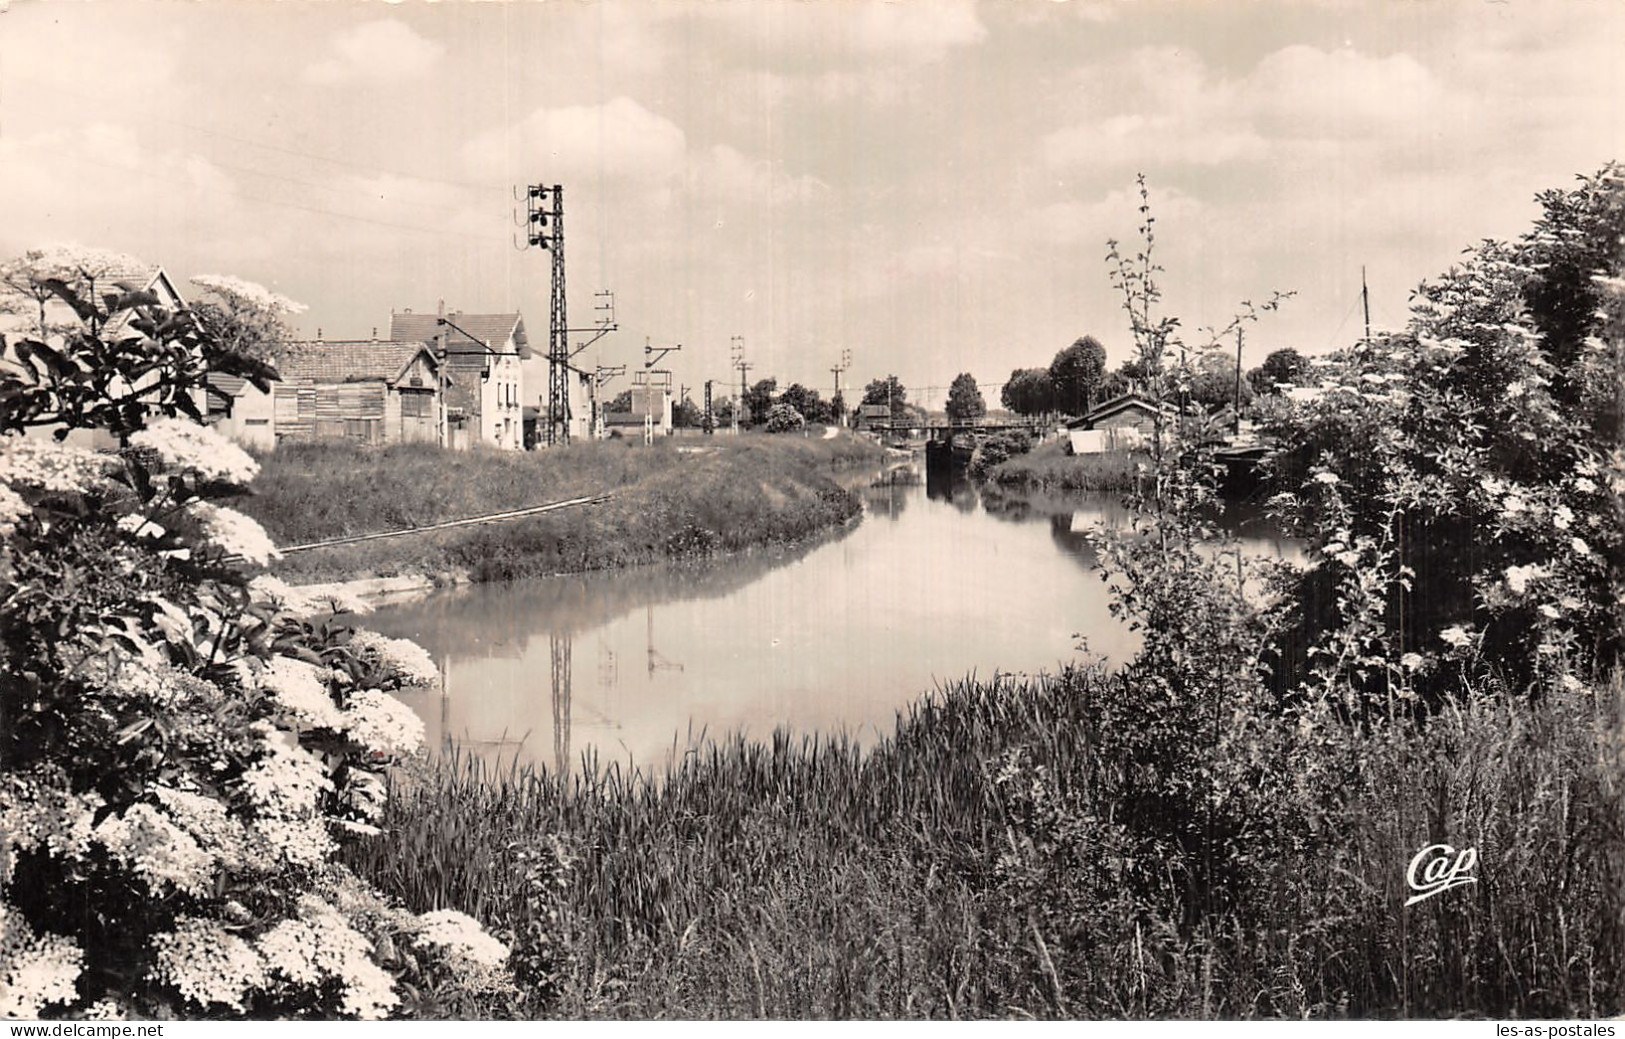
375, 333
408, 310
318, 333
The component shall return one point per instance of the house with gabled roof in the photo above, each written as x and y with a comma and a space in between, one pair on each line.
1121, 423
485, 404
370, 390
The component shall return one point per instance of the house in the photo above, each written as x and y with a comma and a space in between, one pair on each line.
371, 390
1123, 422
241, 411
483, 355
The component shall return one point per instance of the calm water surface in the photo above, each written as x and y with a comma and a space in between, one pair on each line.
938, 581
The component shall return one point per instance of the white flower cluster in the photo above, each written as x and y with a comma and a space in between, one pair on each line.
36, 970
382, 723
287, 781
206, 963
322, 947
460, 937
299, 688
12, 509
150, 845
51, 466
246, 291
187, 445
211, 966
238, 534
404, 659
38, 813
1518, 578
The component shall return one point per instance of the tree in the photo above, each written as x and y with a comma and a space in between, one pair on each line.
805, 401
1282, 366
243, 316
965, 403
621, 402
1213, 385
888, 391
40, 280
759, 400
1076, 373
837, 409
687, 415
722, 408
1029, 392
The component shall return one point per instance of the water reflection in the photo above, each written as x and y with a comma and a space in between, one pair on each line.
939, 581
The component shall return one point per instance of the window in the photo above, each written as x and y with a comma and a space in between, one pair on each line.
415, 405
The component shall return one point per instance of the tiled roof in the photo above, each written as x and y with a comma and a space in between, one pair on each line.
484, 328
226, 385
346, 360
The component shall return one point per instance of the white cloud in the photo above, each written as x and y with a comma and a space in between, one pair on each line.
381, 52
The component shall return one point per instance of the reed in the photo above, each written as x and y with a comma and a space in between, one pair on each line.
973, 865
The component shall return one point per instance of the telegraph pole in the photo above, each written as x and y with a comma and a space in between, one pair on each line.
544, 211
709, 424
836, 370
738, 351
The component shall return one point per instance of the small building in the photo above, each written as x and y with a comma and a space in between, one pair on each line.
1121, 423
240, 411
370, 390
483, 354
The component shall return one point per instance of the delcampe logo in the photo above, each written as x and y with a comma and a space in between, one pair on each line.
1438, 868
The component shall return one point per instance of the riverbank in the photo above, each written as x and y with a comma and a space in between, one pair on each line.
1009, 852
669, 500
1050, 467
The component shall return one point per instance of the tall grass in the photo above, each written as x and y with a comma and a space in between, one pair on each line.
1050, 466
975, 865
671, 500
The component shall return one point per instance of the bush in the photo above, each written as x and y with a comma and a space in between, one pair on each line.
183, 747
782, 418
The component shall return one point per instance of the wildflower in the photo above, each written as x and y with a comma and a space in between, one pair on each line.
286, 781
139, 525
1584, 485
382, 723
1410, 661
1549, 611
298, 688
36, 970
41, 813
1518, 577
1572, 684
403, 659
1580, 547
51, 466
460, 935
1328, 478
207, 964
187, 445
237, 534
1562, 517
1456, 636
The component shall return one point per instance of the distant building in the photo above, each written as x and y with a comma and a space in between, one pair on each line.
1123, 422
369, 390
483, 354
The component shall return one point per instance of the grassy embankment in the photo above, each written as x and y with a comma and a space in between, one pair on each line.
673, 499
1050, 466
982, 864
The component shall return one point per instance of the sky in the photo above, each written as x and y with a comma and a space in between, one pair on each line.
929, 185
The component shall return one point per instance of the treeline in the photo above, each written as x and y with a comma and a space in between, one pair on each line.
1077, 378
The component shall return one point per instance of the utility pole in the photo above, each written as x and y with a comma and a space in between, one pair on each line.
440, 372
709, 423
544, 211
738, 343
837, 369
1365, 297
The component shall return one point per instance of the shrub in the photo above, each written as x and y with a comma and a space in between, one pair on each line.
183, 746
782, 418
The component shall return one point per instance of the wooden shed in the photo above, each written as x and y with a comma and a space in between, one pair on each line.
373, 391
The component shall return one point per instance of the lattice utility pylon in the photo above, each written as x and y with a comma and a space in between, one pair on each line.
545, 218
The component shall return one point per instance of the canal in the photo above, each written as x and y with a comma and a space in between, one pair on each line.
938, 581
